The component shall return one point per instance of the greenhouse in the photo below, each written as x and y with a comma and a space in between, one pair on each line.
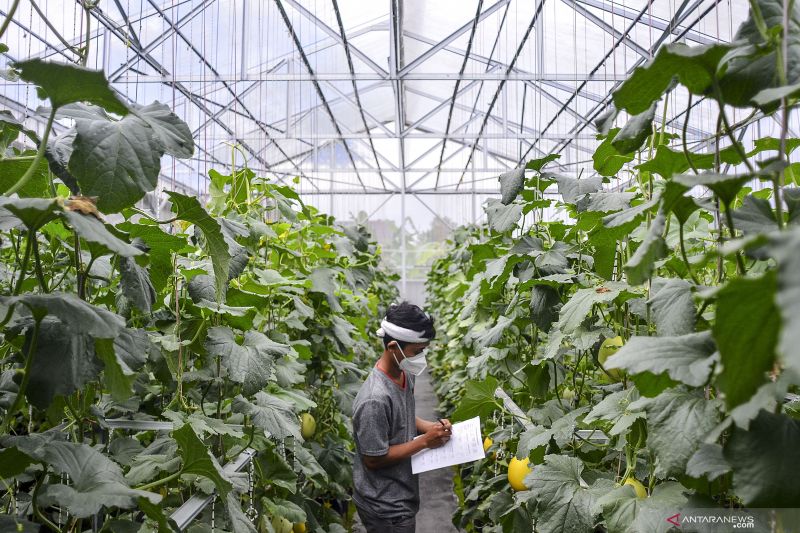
475, 266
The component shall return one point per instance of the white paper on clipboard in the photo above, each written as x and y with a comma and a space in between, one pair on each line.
465, 445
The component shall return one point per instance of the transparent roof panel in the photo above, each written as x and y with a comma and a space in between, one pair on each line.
375, 97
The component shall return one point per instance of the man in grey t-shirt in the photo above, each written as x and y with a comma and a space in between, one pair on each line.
385, 425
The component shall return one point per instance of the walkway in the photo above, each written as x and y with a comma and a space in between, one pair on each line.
437, 499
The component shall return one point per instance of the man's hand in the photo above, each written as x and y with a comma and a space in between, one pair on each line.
437, 436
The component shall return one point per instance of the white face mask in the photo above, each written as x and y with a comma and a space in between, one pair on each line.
415, 365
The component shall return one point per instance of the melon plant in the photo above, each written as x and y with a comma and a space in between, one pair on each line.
675, 271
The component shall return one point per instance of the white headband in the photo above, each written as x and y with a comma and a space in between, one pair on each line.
400, 334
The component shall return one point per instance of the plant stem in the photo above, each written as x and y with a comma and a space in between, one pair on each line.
728, 131
683, 136
38, 265
685, 258
26, 377
10, 15
85, 58
36, 510
25, 259
37, 159
159, 482
732, 230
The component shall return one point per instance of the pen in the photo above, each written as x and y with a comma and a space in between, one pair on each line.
442, 423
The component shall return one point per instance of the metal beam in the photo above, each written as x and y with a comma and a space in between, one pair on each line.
608, 28
513, 75
320, 94
339, 37
450, 38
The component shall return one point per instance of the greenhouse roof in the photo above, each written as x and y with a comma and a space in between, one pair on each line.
355, 97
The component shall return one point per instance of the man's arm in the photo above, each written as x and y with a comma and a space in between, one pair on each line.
435, 437
423, 426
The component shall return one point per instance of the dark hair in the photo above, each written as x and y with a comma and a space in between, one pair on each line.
409, 316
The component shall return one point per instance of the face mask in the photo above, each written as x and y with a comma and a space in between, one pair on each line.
415, 365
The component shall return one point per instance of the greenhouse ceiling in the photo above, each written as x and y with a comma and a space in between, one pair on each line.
391, 97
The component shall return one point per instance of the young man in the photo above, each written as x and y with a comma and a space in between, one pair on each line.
384, 424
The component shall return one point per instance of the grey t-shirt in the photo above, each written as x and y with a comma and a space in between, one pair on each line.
384, 415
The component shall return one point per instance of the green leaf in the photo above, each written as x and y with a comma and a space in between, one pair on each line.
626, 513
288, 510
565, 502
672, 306
607, 160
66, 83
630, 214
501, 217
172, 133
755, 216
189, 209
161, 246
615, 409
725, 186
13, 524
605, 202
708, 462
685, 358
788, 295
249, 363
746, 331
580, 305
270, 413
135, 285
666, 162
94, 230
677, 423
95, 480
572, 190
544, 302
493, 335
766, 461
117, 161
640, 267
197, 459
478, 400
538, 164
63, 362
323, 280
12, 169
511, 183
32, 212
633, 135
695, 68
239, 521
78, 315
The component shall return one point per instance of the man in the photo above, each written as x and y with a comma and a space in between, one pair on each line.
384, 424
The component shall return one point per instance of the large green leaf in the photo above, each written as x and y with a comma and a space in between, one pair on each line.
748, 74
478, 400
173, 134
626, 513
766, 461
566, 503
607, 160
63, 362
32, 212
605, 202
270, 413
746, 331
95, 480
323, 280
94, 230
544, 306
197, 459
725, 186
615, 409
12, 169
502, 217
117, 161
580, 305
685, 358
708, 461
695, 68
189, 209
572, 190
78, 315
161, 246
240, 523
633, 135
511, 183
672, 306
788, 296
249, 363
755, 216
135, 284
66, 83
640, 267
678, 421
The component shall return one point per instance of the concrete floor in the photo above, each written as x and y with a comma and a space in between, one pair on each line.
437, 499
